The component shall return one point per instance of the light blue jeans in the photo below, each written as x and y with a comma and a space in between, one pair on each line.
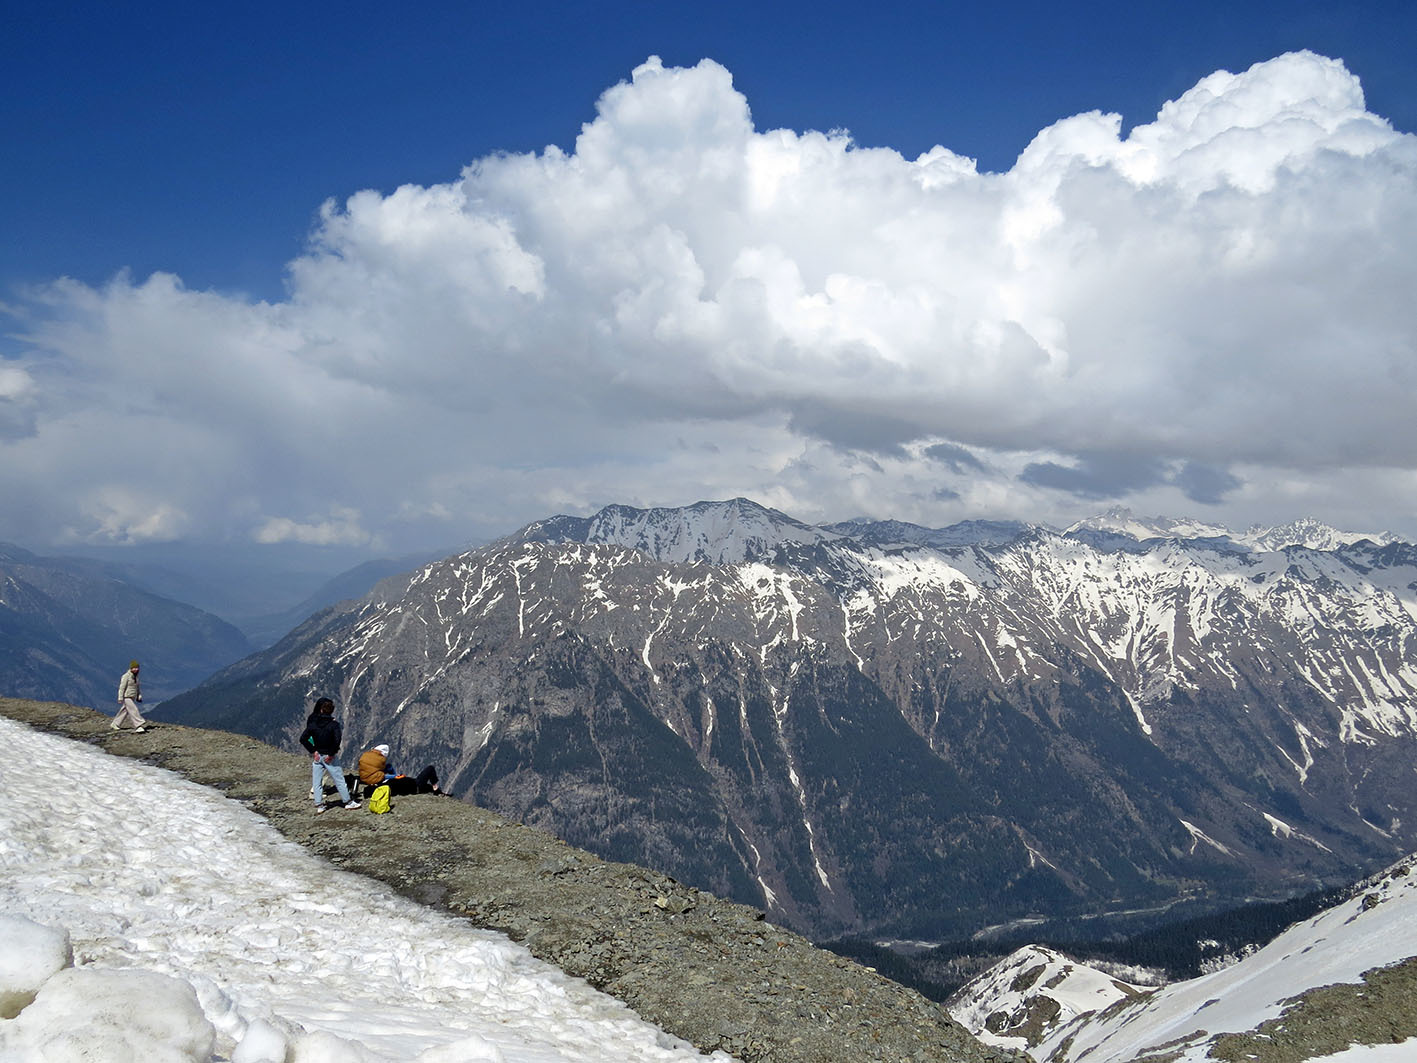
318, 770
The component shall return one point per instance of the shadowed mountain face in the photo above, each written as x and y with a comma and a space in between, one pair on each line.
69, 629
885, 729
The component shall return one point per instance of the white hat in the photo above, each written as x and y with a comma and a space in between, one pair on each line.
383, 749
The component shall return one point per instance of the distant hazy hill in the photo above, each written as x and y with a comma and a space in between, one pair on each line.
355, 583
68, 629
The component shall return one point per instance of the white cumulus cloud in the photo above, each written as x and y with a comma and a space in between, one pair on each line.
340, 529
684, 306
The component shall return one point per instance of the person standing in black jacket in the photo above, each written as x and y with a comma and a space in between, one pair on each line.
321, 739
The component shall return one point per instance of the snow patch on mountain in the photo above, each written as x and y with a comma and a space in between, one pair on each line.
1122, 521
1064, 1012
1023, 998
715, 533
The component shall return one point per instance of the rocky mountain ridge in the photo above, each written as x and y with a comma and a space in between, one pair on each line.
875, 728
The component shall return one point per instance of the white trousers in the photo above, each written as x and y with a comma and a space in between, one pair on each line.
128, 712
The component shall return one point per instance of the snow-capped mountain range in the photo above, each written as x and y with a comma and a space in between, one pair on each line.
876, 727
1342, 982
1306, 532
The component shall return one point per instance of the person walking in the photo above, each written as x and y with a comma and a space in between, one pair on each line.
129, 694
322, 738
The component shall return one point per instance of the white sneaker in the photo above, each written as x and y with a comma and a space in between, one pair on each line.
352, 805
140, 730
321, 808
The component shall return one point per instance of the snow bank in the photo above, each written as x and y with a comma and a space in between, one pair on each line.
199, 934
30, 954
80, 1015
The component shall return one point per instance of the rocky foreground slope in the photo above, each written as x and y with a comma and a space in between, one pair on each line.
711, 971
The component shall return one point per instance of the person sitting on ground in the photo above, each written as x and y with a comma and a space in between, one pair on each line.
321, 739
374, 769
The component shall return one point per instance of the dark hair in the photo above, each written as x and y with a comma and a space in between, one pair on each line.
325, 706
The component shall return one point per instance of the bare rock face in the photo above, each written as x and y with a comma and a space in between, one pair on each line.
886, 729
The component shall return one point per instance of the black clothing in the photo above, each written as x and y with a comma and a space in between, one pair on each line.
322, 734
401, 785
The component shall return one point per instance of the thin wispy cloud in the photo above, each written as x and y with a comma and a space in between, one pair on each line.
1210, 311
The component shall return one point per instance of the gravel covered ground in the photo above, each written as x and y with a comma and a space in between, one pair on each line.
708, 970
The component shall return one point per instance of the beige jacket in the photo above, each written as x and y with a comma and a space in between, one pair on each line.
128, 687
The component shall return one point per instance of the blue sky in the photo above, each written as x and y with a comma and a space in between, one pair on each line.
201, 138
544, 335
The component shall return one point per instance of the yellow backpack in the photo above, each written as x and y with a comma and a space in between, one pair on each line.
379, 799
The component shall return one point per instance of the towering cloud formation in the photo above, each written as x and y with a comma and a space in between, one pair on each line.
1216, 305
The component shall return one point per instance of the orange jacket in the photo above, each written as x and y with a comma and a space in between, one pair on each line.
371, 767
